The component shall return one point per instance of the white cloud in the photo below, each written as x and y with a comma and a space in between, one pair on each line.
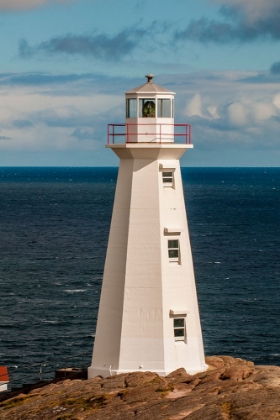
261, 111
213, 111
276, 100
194, 106
26, 4
237, 114
231, 108
53, 119
56, 117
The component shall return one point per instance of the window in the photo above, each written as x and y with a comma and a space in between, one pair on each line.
131, 108
179, 329
173, 250
147, 108
164, 108
167, 179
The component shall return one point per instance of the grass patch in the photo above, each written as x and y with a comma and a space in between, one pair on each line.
88, 403
15, 402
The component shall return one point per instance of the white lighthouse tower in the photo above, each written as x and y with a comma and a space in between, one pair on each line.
148, 316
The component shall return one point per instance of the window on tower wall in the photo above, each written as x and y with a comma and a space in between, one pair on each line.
168, 179
131, 108
179, 329
147, 108
164, 108
173, 250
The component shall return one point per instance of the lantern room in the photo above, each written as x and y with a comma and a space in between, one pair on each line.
149, 114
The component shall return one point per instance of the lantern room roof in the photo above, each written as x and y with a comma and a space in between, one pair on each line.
150, 88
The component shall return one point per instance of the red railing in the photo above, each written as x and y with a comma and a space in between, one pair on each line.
163, 133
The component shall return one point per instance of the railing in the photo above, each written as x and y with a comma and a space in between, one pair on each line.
162, 133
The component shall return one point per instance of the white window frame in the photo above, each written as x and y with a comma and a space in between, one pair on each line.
168, 178
179, 328
167, 174
173, 259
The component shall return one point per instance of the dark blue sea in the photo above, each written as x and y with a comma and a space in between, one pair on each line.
54, 225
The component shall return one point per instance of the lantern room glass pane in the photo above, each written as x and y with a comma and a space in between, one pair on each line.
131, 108
147, 108
164, 108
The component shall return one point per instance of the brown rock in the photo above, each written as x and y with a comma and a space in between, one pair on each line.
237, 372
231, 389
135, 379
178, 376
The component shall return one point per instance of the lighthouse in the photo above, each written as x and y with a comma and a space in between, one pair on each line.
148, 317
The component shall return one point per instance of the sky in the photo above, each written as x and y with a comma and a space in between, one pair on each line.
65, 65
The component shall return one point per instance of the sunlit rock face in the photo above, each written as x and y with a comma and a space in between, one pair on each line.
229, 389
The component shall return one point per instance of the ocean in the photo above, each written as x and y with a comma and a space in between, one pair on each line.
54, 225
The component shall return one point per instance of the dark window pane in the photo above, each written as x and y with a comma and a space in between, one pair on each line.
167, 179
179, 333
173, 253
167, 174
173, 244
147, 108
179, 322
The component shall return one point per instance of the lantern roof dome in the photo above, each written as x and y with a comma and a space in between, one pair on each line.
150, 87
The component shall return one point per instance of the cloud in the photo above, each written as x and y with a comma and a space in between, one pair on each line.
242, 21
100, 46
275, 68
224, 109
72, 116
40, 79
26, 4
229, 112
194, 106
22, 124
69, 85
237, 114
83, 134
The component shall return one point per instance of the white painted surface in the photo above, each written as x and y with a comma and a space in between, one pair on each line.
3, 386
141, 287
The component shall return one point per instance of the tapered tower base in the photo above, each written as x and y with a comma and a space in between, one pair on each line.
148, 316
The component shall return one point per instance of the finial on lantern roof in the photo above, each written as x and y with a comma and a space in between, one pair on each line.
150, 77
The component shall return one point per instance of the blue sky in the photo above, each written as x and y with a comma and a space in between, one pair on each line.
65, 65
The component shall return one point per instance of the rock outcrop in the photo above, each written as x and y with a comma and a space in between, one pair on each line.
231, 389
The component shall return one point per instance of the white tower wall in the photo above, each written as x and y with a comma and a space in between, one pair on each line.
143, 289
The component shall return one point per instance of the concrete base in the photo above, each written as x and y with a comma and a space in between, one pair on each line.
93, 372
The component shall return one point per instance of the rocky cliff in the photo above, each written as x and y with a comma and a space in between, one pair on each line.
231, 389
